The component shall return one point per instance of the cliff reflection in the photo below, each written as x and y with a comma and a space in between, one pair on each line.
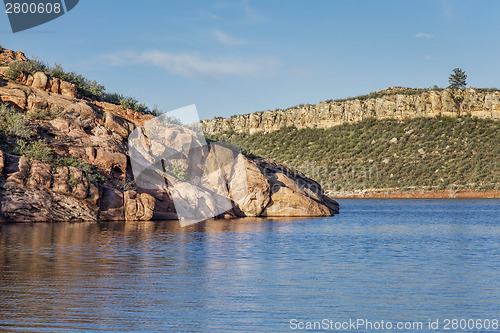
80, 273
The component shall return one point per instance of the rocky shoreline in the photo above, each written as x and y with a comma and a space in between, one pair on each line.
397, 194
86, 174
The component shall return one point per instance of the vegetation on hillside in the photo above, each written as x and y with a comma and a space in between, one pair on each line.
20, 135
421, 153
86, 87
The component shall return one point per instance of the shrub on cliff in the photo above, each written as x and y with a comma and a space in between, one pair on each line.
35, 150
41, 151
92, 89
86, 87
93, 175
131, 103
27, 67
13, 123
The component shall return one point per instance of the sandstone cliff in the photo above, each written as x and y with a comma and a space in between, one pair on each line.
393, 102
94, 137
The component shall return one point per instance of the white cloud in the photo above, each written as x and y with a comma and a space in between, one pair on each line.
423, 35
428, 57
448, 10
226, 39
251, 13
194, 65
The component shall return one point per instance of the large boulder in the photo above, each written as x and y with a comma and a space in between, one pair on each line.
14, 95
195, 203
40, 80
287, 202
68, 89
108, 160
40, 175
138, 206
118, 125
293, 194
61, 181
164, 208
54, 84
249, 188
21, 169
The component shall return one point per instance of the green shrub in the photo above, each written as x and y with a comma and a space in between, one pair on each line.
13, 123
158, 112
96, 177
93, 175
126, 185
112, 98
40, 114
26, 67
18, 126
131, 103
176, 171
73, 162
72, 181
86, 87
36, 150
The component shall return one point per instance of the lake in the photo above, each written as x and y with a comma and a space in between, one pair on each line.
379, 262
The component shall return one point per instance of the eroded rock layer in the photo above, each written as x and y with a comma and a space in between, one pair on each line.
393, 103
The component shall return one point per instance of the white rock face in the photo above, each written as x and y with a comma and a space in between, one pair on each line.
397, 103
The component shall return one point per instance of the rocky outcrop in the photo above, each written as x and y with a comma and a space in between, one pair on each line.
90, 175
138, 206
293, 194
38, 80
395, 103
261, 187
212, 180
118, 125
32, 191
50, 84
249, 188
7, 56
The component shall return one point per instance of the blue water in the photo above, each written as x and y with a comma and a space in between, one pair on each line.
393, 260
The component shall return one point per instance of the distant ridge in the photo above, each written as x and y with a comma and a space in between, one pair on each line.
390, 103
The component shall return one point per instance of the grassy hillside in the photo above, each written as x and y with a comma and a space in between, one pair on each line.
423, 153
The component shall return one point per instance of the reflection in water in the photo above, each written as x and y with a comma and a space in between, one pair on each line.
379, 259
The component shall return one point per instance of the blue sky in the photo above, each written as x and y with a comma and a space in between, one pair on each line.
233, 57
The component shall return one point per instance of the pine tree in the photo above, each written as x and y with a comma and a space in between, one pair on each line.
457, 79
